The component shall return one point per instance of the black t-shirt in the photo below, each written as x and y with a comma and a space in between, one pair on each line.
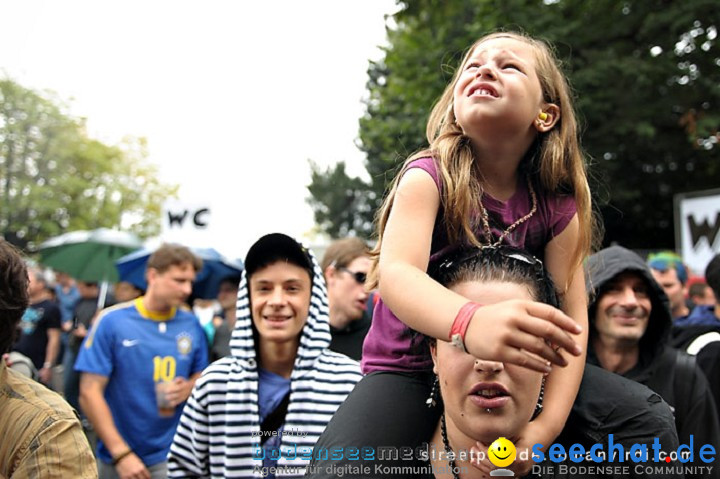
83, 313
349, 341
36, 321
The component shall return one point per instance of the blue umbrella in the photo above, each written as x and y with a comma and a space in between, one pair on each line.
216, 267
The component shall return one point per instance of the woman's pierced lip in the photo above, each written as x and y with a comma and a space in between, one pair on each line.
482, 89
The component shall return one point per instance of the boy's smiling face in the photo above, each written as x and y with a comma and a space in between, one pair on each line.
280, 301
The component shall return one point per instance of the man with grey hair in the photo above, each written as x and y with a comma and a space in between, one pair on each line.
630, 325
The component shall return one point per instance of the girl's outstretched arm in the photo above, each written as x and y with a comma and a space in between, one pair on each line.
505, 331
562, 384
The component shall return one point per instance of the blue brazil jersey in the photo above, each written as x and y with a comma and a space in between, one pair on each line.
135, 349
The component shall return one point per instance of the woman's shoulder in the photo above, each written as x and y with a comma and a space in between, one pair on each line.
608, 402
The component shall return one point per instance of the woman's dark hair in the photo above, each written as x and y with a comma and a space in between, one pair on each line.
14, 296
497, 263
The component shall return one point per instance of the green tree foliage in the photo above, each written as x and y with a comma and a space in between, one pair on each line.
336, 196
54, 178
645, 74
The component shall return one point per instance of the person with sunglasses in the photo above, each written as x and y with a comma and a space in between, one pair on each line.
345, 265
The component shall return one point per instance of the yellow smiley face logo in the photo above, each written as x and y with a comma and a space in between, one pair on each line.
502, 452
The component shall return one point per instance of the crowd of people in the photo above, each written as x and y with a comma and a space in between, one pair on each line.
480, 314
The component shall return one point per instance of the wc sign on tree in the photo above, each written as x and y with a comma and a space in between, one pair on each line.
697, 227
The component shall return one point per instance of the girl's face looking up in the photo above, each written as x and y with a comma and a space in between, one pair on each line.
498, 89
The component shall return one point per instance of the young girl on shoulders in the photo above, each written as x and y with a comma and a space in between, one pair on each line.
504, 167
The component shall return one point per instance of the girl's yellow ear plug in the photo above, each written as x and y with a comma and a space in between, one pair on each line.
543, 116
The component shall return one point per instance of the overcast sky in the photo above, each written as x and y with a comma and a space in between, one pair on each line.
233, 96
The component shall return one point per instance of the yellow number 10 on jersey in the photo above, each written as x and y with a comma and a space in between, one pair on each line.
164, 368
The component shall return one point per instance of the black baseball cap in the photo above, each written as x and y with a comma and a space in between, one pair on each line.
277, 247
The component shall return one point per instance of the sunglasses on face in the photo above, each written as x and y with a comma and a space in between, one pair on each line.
358, 276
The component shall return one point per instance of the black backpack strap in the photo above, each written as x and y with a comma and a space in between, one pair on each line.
274, 420
685, 363
662, 379
683, 382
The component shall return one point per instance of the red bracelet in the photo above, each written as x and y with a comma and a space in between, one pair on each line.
461, 323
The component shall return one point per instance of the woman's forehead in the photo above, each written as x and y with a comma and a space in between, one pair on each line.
490, 292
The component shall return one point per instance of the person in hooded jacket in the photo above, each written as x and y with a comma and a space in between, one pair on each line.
259, 412
699, 334
630, 327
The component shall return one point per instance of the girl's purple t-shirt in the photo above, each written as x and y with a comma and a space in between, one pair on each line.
392, 346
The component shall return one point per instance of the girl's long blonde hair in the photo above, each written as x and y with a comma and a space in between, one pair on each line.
555, 162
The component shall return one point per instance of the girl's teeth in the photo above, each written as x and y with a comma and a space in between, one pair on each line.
483, 92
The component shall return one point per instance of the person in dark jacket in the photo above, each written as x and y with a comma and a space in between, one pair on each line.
707, 316
699, 334
630, 327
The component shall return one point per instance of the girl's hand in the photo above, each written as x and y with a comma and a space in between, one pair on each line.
526, 333
480, 450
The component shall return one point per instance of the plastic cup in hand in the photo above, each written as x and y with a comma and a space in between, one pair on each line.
163, 405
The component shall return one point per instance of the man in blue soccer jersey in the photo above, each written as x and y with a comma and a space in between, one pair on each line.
139, 364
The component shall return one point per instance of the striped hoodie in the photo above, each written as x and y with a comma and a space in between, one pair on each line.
218, 434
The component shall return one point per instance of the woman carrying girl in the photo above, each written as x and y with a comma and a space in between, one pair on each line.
608, 408
504, 167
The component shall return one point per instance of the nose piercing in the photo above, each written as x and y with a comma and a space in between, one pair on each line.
491, 366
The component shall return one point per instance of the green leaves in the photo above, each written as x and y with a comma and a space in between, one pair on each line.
341, 204
646, 76
53, 178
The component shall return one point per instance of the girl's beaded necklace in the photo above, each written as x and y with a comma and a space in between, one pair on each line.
489, 239
486, 221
